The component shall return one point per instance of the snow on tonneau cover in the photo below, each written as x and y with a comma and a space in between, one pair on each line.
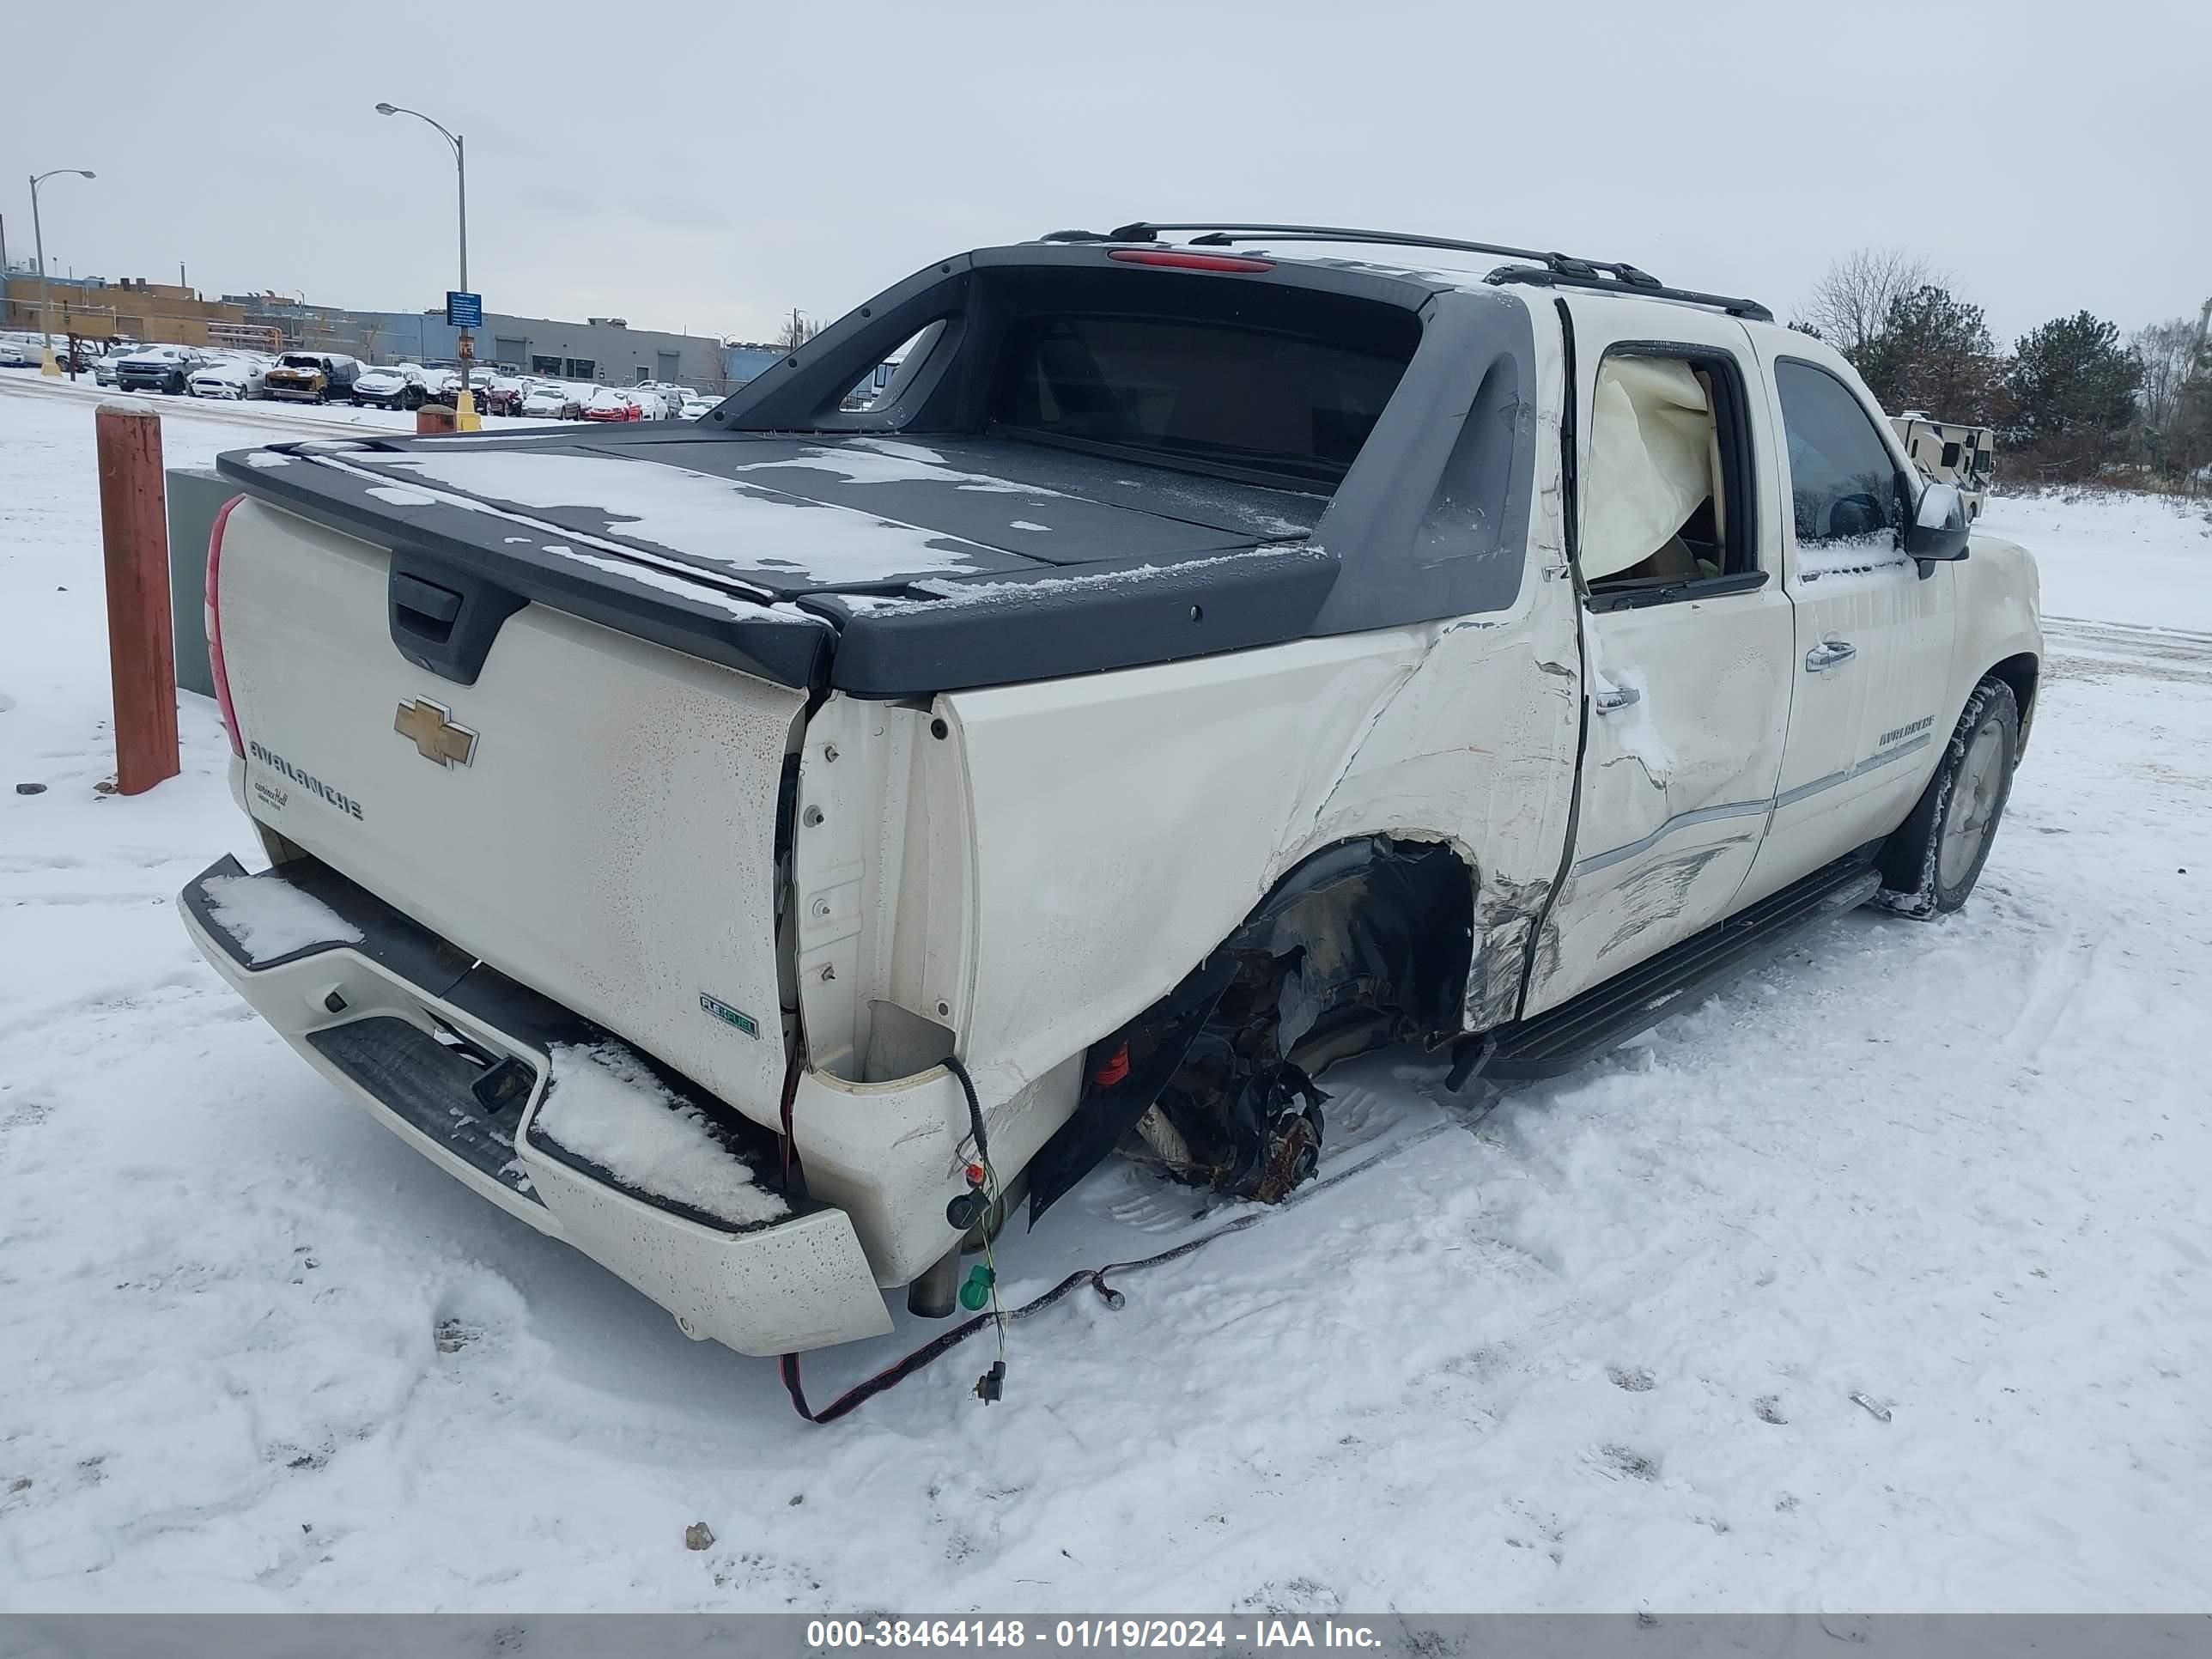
707, 544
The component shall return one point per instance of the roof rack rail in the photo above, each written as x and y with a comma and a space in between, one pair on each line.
1552, 270
1750, 310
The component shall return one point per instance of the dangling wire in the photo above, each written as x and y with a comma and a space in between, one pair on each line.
899, 1370
989, 1385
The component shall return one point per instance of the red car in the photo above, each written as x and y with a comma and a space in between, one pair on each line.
612, 403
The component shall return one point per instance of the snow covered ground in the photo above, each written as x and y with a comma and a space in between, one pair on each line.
1882, 1281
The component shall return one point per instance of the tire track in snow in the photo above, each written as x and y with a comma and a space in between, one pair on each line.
2063, 969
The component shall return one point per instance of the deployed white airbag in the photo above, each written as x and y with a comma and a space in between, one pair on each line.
1650, 461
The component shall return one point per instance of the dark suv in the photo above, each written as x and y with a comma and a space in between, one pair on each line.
158, 368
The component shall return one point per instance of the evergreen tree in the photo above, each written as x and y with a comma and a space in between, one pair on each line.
2072, 387
1934, 352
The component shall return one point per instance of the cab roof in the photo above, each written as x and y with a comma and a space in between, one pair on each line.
1529, 266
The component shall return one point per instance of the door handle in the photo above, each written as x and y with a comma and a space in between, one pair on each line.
1829, 653
1615, 697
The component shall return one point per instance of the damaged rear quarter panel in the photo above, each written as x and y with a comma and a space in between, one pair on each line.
1127, 822
1478, 748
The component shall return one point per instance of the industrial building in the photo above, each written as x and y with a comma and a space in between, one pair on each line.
92, 308
602, 348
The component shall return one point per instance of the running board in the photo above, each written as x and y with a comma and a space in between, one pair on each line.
1607, 1015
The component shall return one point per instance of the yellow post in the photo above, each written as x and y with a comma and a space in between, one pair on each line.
465, 418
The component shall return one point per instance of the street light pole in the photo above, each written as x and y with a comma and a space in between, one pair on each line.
46, 364
464, 411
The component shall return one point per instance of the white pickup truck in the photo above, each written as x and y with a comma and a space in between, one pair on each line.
761, 851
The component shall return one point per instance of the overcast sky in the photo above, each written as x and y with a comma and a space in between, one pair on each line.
709, 166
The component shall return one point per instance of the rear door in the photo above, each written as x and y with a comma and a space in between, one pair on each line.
1873, 632
1687, 636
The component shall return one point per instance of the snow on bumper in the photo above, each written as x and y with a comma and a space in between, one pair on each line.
456, 1060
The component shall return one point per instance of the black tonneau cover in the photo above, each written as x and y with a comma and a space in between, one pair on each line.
885, 567
921, 544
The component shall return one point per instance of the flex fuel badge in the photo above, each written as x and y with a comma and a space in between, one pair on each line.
729, 1015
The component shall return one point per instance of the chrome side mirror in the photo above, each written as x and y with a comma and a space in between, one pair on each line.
1940, 524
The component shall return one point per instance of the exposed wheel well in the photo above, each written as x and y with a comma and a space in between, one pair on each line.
1362, 943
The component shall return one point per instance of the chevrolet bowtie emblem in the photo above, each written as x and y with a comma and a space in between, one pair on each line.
435, 735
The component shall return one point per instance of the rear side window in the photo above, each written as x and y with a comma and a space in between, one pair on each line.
1197, 391
1843, 483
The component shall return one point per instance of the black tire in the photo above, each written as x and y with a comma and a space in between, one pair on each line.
1931, 861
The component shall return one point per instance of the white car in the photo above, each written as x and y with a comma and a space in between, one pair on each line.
762, 860
16, 354
104, 367
551, 400
694, 407
235, 376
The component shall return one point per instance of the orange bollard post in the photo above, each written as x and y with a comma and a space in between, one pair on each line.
141, 656
432, 418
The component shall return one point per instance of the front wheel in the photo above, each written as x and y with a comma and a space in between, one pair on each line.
1930, 863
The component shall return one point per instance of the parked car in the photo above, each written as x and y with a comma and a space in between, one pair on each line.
613, 403
235, 375
167, 369
501, 394
105, 366
694, 407
68, 354
1254, 662
398, 386
548, 400
16, 354
313, 377
440, 384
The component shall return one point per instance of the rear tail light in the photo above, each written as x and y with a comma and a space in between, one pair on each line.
217, 669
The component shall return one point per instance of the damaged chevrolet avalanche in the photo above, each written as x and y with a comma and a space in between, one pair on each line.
765, 850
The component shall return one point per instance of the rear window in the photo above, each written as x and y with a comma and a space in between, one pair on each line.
1198, 390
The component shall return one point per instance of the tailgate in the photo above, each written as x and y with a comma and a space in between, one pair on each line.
594, 816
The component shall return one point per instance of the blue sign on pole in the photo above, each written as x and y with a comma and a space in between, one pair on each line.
464, 310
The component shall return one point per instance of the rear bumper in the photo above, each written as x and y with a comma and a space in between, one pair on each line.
456, 1060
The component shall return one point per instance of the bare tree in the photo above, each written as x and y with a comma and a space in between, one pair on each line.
1851, 305
2172, 404
798, 332
2167, 349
